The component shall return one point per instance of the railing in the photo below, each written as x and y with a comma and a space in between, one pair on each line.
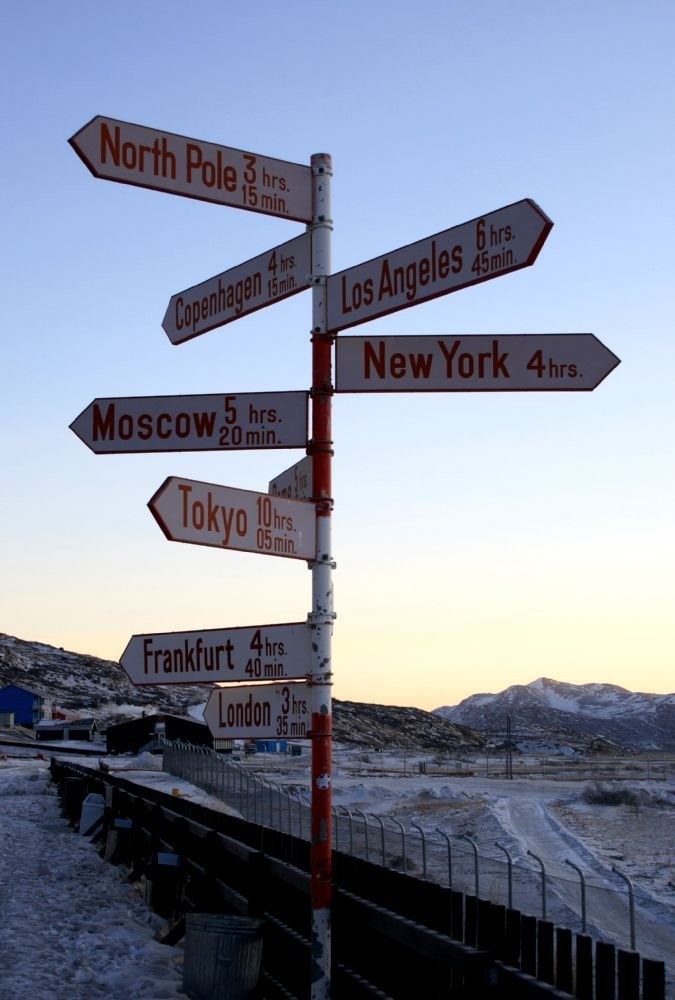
606, 904
394, 936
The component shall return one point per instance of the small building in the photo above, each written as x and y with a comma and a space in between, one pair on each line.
151, 731
81, 730
271, 746
29, 706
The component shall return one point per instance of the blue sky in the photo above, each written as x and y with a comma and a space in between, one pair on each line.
481, 539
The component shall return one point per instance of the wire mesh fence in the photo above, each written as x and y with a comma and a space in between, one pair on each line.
603, 903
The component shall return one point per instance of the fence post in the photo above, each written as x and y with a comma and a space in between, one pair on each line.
424, 848
583, 893
351, 830
358, 812
447, 840
463, 836
543, 884
402, 829
631, 905
509, 869
381, 822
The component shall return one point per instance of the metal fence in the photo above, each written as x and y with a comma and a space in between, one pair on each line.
603, 905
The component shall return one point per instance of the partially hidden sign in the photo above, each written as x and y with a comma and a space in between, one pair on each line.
227, 518
146, 157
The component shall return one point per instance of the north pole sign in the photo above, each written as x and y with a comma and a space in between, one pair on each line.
491, 245
491, 363
259, 282
224, 517
214, 422
259, 711
145, 157
211, 656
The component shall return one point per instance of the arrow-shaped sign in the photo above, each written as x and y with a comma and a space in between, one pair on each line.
210, 656
194, 423
146, 157
267, 278
259, 710
224, 517
492, 363
484, 248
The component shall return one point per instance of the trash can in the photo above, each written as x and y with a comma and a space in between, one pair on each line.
93, 810
222, 956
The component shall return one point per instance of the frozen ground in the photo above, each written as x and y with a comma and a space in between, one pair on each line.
74, 929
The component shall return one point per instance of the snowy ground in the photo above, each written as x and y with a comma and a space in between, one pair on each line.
74, 929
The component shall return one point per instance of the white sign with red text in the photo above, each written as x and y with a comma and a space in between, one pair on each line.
224, 517
211, 656
146, 157
214, 422
505, 240
259, 711
295, 483
268, 278
492, 363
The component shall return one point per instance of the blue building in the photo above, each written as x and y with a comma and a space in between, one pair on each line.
27, 705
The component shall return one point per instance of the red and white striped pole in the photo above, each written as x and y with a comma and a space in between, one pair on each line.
322, 614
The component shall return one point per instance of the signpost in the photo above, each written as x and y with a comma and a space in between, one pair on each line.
295, 483
259, 710
265, 279
491, 363
210, 656
505, 240
227, 422
146, 157
220, 516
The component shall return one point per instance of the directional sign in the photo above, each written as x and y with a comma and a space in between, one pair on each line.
268, 278
206, 514
265, 652
295, 483
484, 248
194, 423
489, 363
146, 157
259, 711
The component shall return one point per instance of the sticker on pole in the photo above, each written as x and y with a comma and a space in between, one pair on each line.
259, 711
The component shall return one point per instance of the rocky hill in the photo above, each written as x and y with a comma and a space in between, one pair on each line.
100, 688
581, 716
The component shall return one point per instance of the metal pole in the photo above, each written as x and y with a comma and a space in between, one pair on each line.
447, 840
402, 829
543, 884
583, 893
322, 614
424, 848
509, 864
381, 822
631, 905
463, 836
357, 812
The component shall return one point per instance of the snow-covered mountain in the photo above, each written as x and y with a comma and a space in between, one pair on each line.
570, 713
90, 686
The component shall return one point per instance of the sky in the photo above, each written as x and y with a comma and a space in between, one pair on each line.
482, 539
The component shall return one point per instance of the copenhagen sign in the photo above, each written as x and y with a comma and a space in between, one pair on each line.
263, 652
145, 157
505, 240
500, 363
223, 517
233, 421
259, 282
